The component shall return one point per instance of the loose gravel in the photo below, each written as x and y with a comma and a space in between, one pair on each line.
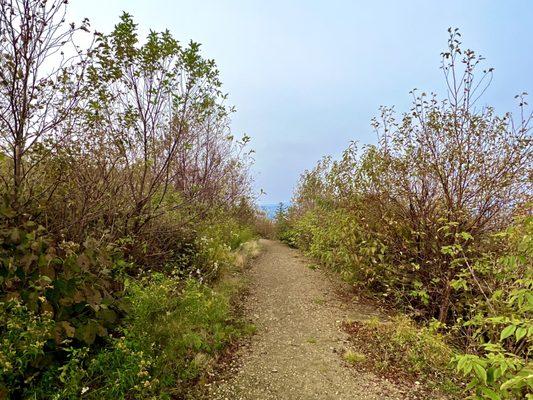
296, 353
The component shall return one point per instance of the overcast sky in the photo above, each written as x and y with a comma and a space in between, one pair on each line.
307, 76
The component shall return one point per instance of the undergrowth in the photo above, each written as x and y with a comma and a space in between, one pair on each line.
171, 337
403, 353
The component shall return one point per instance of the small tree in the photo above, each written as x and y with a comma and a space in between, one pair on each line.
150, 99
451, 166
41, 70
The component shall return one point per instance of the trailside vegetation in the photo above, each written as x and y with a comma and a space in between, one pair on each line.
123, 197
436, 219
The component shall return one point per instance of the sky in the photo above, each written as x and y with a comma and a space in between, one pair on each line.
307, 76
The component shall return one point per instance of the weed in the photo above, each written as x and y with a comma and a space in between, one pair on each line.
353, 357
319, 300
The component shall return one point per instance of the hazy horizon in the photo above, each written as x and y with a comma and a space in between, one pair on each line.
306, 77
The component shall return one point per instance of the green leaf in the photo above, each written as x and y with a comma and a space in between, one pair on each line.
507, 332
511, 382
520, 333
491, 394
471, 385
461, 363
466, 236
481, 373
87, 333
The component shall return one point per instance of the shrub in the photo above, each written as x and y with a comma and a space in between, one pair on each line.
117, 162
284, 231
443, 175
501, 327
52, 293
215, 245
436, 219
264, 227
23, 345
171, 336
118, 371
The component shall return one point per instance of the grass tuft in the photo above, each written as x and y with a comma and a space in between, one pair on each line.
353, 357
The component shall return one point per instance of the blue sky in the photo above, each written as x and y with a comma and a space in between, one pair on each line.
307, 76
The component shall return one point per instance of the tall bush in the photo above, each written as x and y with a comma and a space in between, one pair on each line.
436, 218
116, 161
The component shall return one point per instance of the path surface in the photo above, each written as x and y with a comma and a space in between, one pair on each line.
297, 351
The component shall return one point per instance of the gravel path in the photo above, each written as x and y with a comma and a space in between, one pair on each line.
297, 351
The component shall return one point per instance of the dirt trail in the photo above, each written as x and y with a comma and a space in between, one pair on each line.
297, 351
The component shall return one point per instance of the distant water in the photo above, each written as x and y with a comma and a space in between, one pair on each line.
270, 209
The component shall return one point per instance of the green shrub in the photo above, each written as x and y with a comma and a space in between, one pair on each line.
24, 336
59, 302
131, 169
172, 334
496, 374
402, 216
215, 245
336, 239
61, 291
285, 232
502, 326
118, 371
